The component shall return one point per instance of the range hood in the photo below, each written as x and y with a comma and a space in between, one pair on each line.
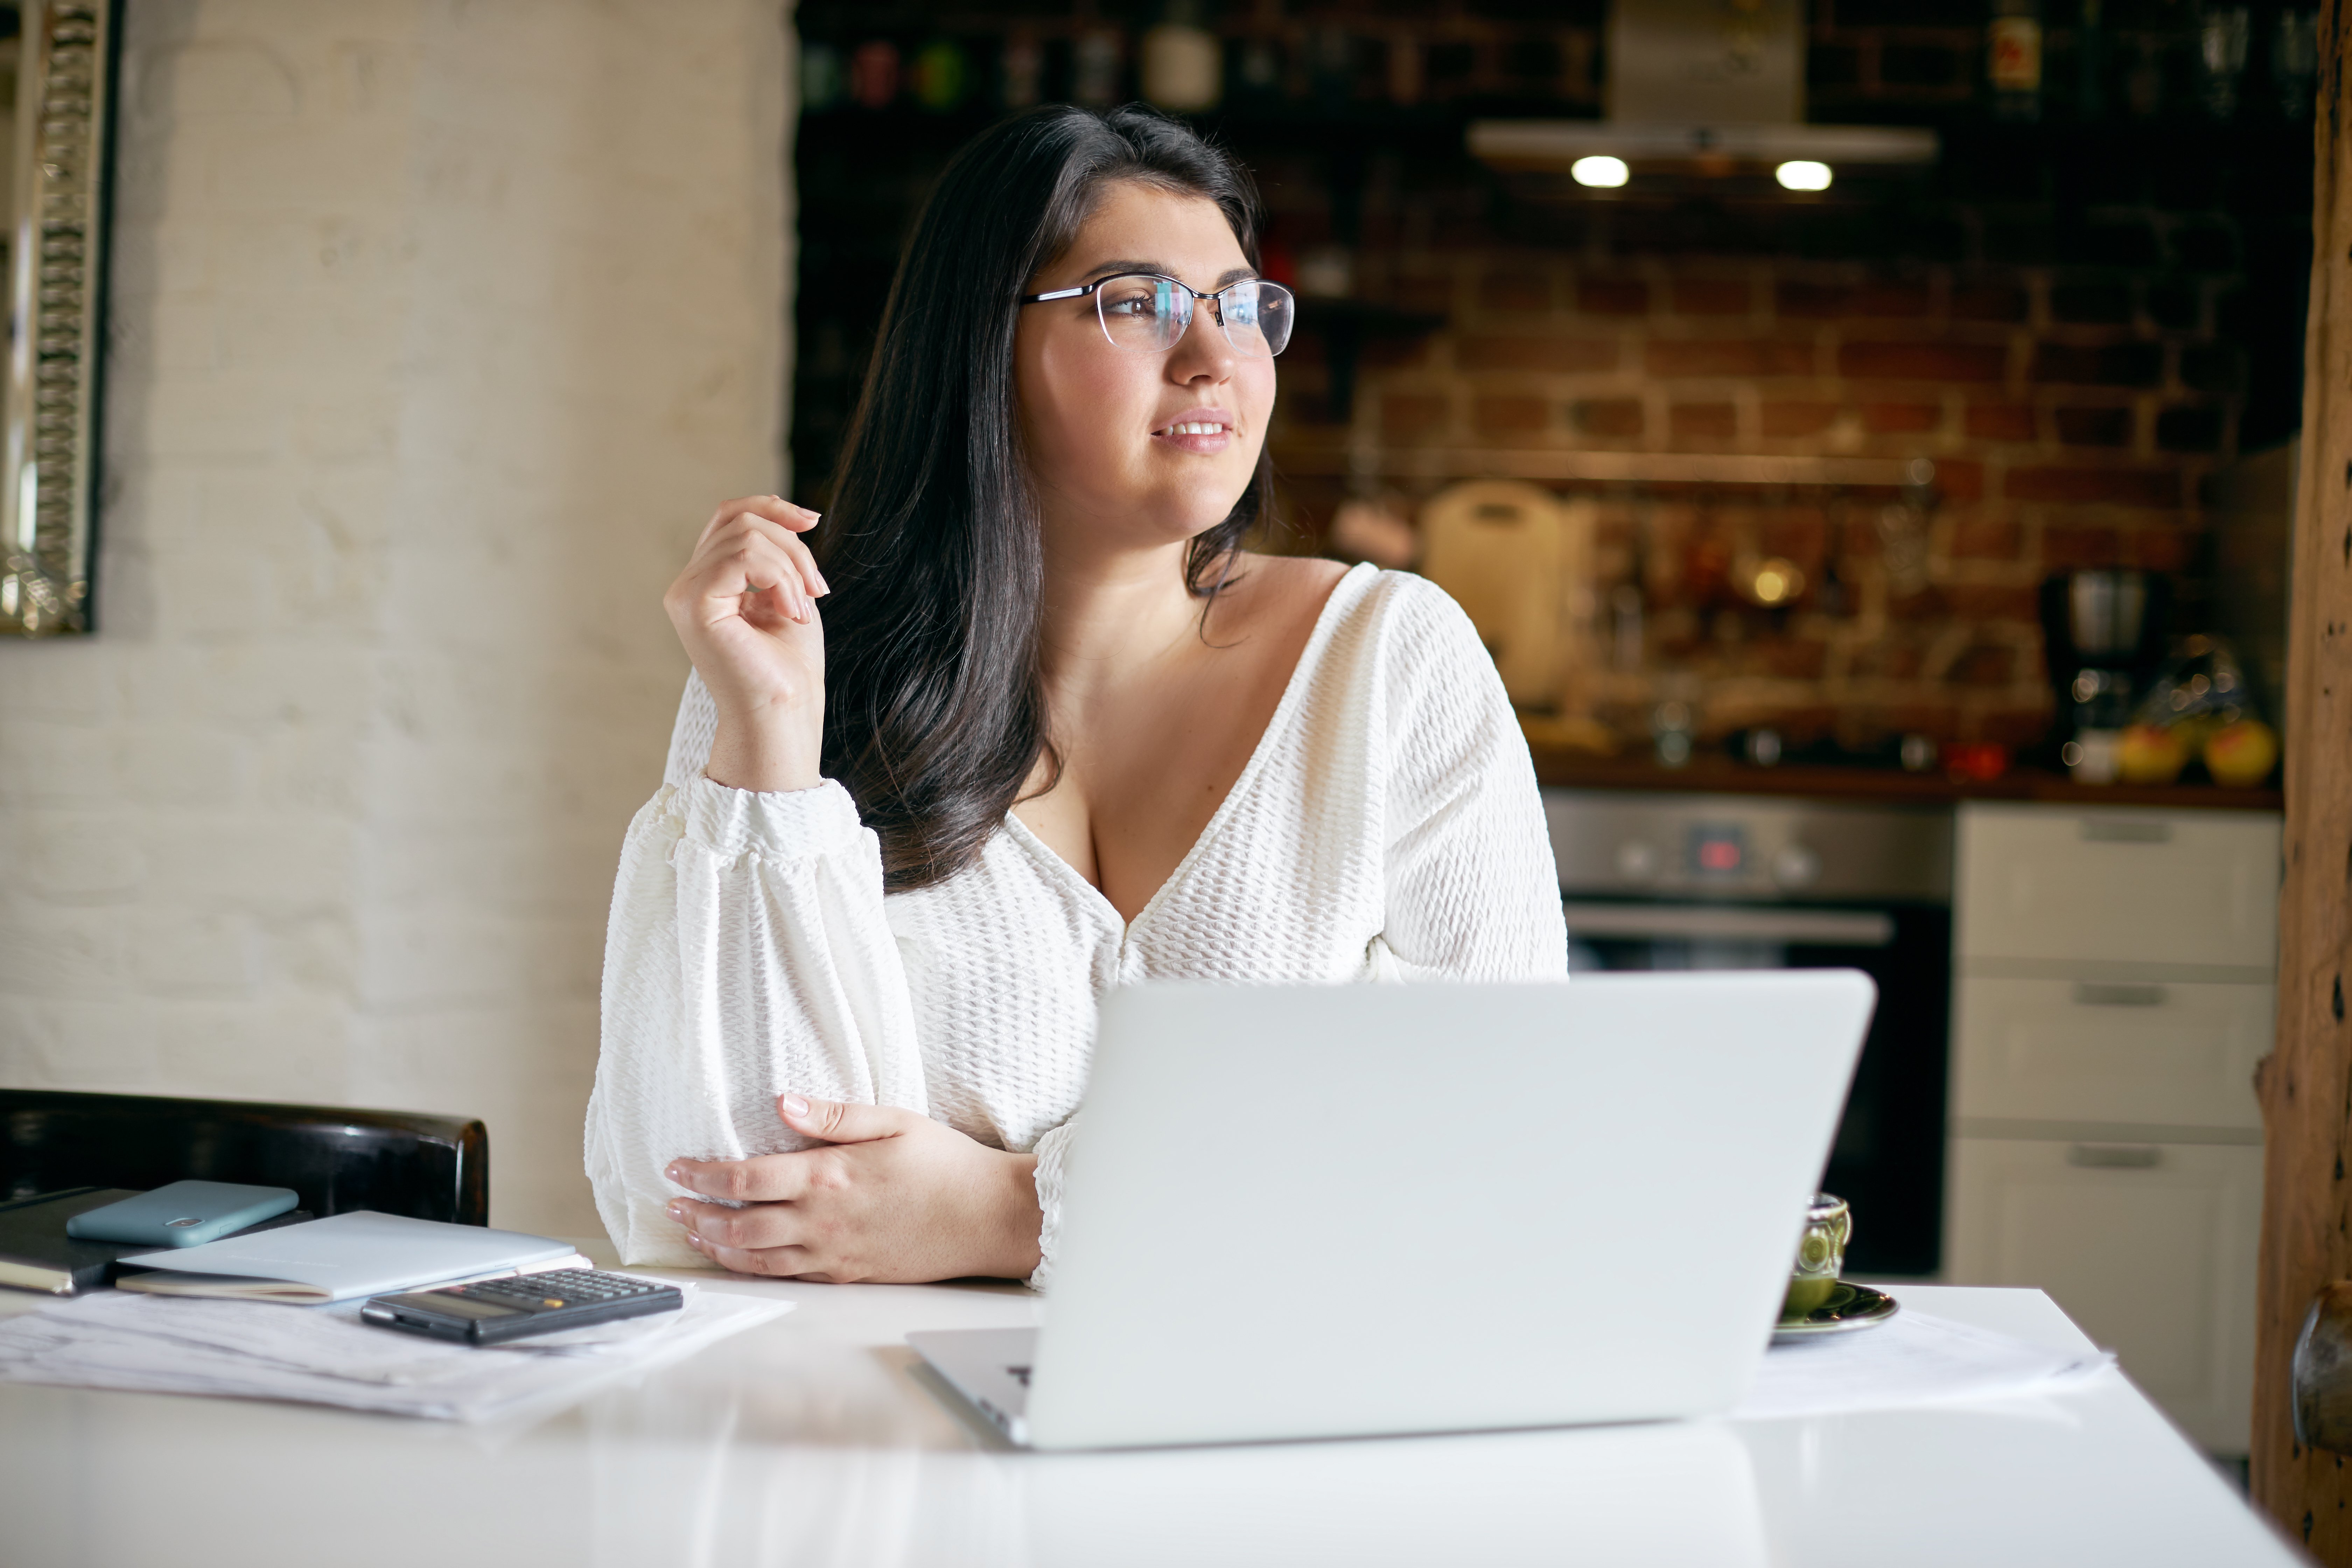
1701, 87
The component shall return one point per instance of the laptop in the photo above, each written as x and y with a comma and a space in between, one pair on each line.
1318, 1211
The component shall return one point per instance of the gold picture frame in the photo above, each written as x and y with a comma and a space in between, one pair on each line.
57, 166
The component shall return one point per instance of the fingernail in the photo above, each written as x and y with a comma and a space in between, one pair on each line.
794, 1105
678, 1211
677, 1174
822, 587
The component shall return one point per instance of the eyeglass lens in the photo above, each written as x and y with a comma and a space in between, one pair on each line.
1147, 315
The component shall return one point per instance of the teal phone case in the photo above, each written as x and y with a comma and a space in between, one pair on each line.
183, 1214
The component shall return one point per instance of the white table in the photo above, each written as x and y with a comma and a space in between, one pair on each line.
820, 1439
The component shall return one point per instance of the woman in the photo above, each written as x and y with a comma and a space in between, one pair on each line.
1051, 732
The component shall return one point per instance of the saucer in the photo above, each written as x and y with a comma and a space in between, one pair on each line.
1850, 1307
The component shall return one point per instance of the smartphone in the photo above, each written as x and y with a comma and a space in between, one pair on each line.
491, 1310
185, 1213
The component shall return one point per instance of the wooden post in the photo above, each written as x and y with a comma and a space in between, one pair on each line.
2306, 1084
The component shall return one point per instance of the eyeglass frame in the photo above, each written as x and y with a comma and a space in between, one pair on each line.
1217, 296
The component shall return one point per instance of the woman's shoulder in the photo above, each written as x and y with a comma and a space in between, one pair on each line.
1380, 636
1392, 663
1398, 620
1274, 591
1313, 587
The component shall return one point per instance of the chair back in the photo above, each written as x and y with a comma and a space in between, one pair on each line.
393, 1161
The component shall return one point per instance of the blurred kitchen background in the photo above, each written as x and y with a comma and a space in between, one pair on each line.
1811, 455
1864, 432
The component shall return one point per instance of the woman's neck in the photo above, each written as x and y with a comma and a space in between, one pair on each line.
1109, 615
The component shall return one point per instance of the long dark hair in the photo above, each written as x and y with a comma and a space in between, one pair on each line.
935, 711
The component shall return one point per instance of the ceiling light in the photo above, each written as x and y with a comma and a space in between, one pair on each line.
1802, 175
1607, 173
1557, 143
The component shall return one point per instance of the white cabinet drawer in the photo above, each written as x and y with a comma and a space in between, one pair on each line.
2154, 1260
2058, 1050
2123, 886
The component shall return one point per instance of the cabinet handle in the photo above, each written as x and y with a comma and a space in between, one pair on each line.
2090, 994
2114, 1156
2125, 830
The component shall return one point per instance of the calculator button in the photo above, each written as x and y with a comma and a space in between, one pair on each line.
556, 1288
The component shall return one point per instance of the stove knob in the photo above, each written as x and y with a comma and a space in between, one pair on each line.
1796, 866
1636, 861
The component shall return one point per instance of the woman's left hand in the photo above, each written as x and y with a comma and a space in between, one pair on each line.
889, 1195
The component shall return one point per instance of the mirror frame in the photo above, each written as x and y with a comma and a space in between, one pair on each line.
61, 173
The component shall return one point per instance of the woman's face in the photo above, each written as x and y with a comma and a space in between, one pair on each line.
1114, 436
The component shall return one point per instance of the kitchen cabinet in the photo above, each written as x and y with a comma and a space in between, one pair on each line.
2150, 1246
2193, 889
2146, 1052
2114, 974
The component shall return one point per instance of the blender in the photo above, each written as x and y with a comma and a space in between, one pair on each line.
2101, 625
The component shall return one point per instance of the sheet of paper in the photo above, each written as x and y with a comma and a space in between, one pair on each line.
1912, 1359
258, 1350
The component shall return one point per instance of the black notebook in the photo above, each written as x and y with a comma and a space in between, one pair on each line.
36, 1253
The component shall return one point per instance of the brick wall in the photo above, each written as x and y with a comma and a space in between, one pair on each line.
2070, 403
2076, 318
437, 329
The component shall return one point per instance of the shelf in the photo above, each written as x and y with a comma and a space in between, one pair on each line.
1603, 468
1721, 775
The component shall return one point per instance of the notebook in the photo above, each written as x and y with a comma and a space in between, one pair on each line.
36, 1253
340, 1258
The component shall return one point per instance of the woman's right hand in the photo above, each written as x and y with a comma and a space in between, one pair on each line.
745, 608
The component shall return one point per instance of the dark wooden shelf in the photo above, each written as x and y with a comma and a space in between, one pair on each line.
1721, 775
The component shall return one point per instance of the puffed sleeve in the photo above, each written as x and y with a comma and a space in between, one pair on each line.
747, 955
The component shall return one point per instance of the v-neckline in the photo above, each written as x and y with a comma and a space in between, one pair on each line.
1308, 656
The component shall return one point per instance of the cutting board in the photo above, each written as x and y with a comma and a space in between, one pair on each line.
1518, 560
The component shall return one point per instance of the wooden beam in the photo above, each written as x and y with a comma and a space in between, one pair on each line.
2307, 1083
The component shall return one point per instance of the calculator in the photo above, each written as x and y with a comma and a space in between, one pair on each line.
491, 1311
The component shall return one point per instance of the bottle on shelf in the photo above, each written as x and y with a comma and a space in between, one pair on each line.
1330, 55
874, 74
941, 76
2013, 59
824, 84
1257, 70
2294, 61
1095, 68
2144, 82
1182, 67
1020, 70
2222, 35
2090, 64
1405, 83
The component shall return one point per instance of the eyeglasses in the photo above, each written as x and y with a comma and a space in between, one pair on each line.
1144, 312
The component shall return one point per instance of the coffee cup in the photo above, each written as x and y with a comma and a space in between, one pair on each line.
1820, 1253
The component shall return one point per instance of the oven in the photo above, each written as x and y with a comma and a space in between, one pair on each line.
1662, 882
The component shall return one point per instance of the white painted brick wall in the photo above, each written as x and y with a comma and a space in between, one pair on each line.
437, 328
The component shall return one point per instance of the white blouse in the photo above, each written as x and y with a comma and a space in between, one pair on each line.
1387, 827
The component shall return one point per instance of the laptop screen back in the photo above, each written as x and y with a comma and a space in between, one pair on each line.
1324, 1211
